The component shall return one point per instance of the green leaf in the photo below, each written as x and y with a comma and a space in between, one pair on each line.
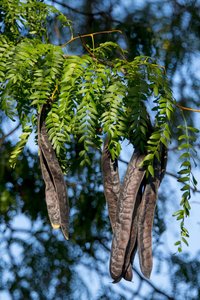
185, 155
148, 157
185, 241
184, 171
20, 145
183, 179
184, 146
178, 212
155, 136
177, 243
186, 187
186, 163
194, 180
151, 170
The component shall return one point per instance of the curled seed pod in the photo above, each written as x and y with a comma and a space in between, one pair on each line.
55, 192
146, 215
128, 193
111, 182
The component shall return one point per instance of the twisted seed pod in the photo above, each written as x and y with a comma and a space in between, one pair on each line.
146, 215
55, 191
132, 244
127, 199
111, 184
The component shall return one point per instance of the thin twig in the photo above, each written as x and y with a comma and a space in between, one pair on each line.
85, 46
88, 14
157, 290
90, 35
187, 108
76, 10
8, 134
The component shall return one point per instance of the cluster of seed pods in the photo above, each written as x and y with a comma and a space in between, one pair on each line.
131, 204
131, 207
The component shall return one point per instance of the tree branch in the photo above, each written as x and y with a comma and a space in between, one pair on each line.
88, 14
187, 108
157, 290
4, 137
90, 35
78, 11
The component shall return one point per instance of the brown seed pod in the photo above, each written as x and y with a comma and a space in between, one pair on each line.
132, 244
145, 224
127, 199
55, 192
111, 182
146, 214
50, 194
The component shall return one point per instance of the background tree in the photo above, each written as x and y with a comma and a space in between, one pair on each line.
168, 32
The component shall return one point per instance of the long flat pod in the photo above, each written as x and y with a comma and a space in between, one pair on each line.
57, 201
146, 214
128, 193
145, 224
132, 244
50, 194
111, 182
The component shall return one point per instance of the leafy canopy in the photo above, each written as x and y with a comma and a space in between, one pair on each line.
88, 96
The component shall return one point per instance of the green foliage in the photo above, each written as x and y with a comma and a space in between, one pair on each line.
139, 92
85, 94
164, 108
20, 145
186, 140
28, 18
108, 50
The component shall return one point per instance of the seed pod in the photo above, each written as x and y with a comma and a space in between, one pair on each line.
132, 244
146, 214
50, 194
111, 182
55, 192
127, 199
145, 224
